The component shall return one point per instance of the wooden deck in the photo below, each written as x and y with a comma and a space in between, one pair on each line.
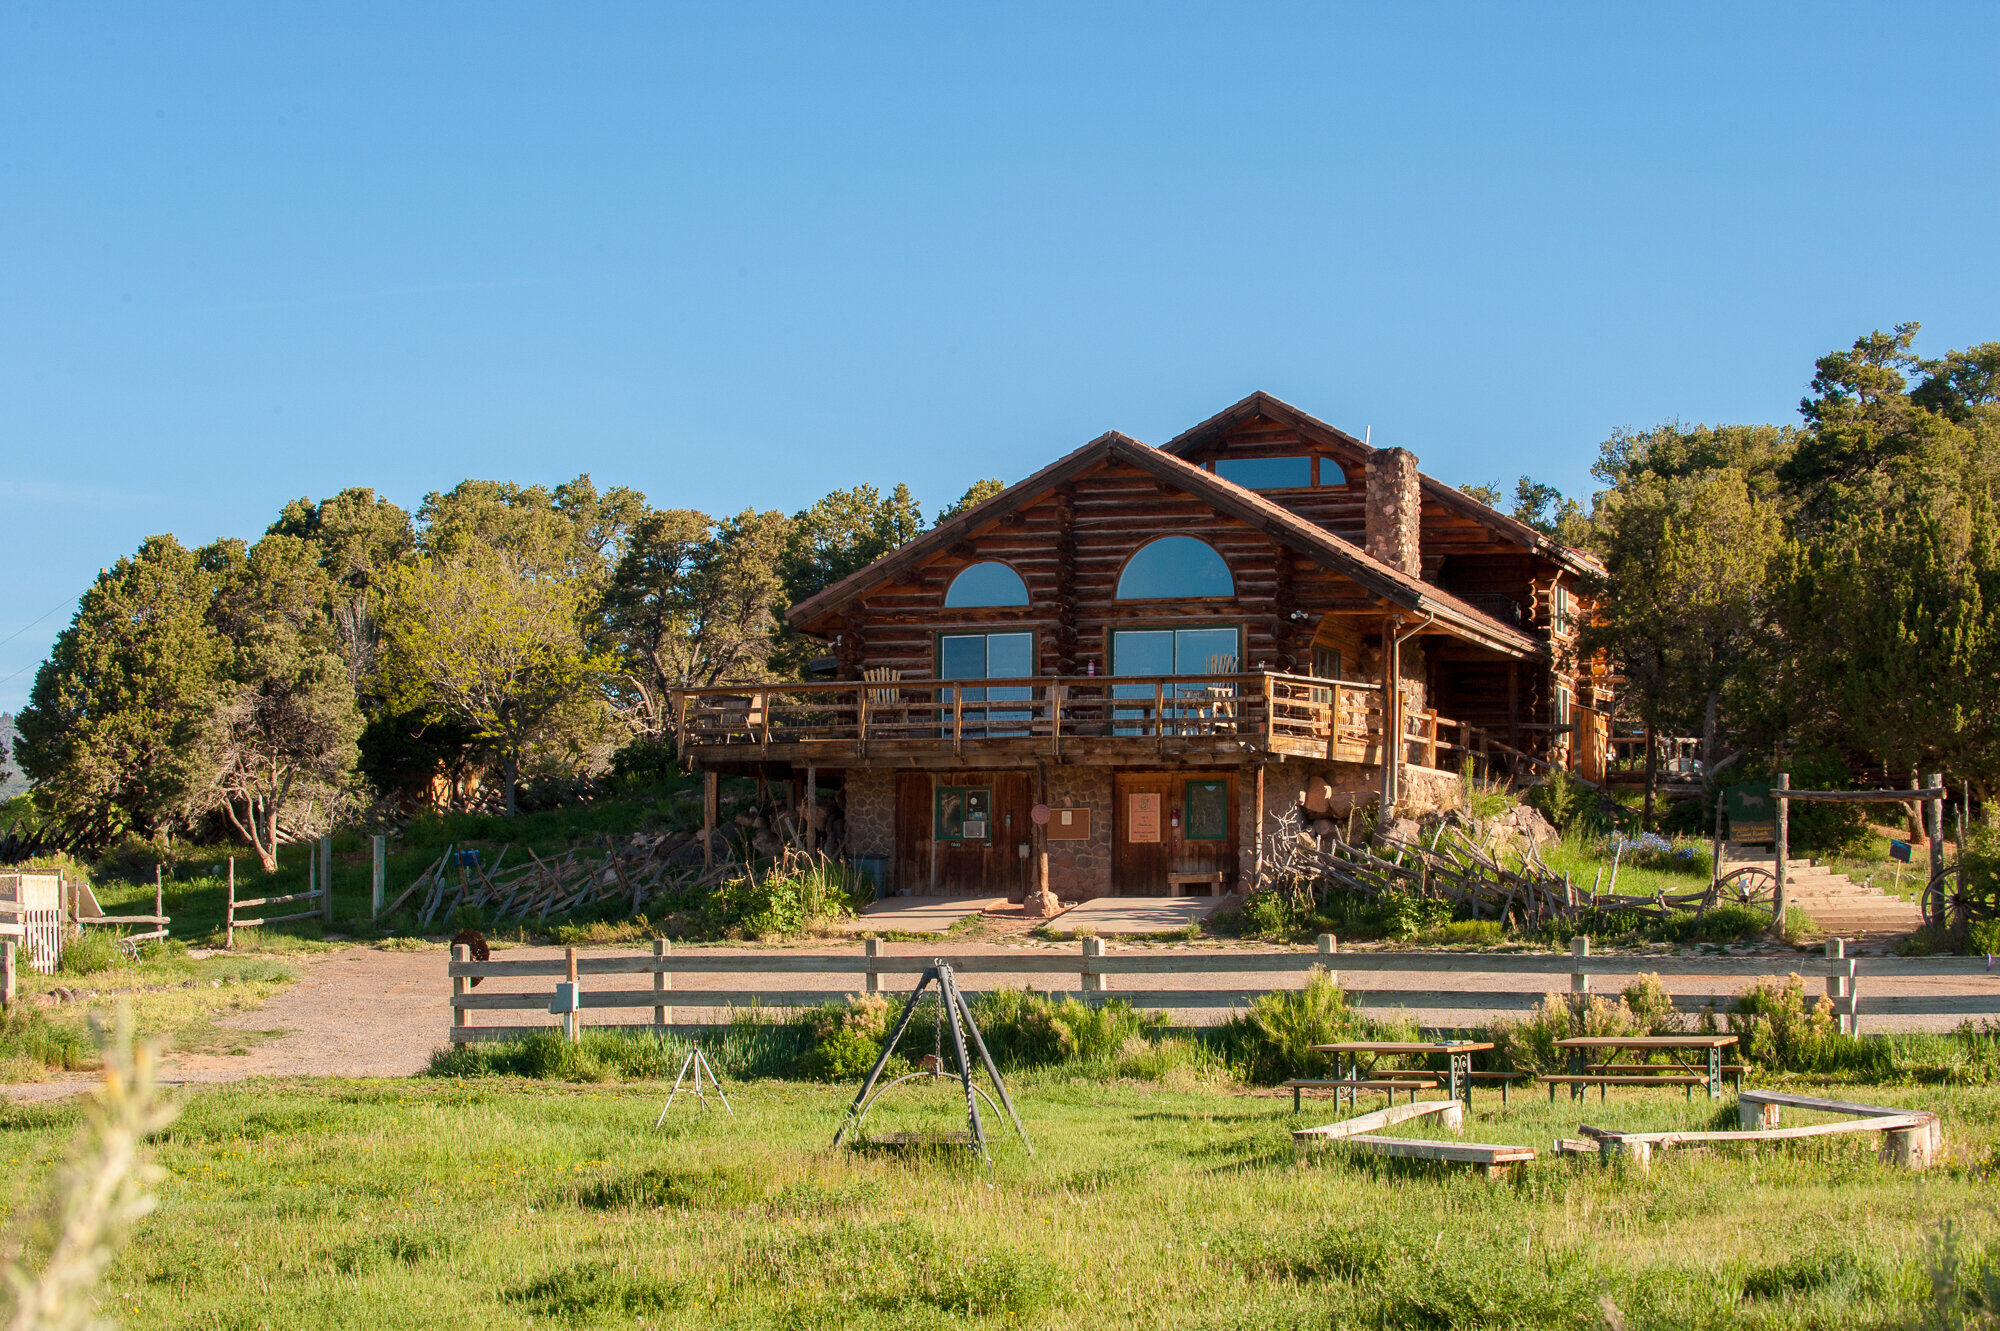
1098, 720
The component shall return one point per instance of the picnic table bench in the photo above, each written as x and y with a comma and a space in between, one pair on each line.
1458, 1054
1677, 1072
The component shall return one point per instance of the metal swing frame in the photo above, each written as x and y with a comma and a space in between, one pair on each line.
950, 1000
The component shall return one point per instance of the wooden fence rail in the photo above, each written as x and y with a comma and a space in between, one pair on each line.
1101, 976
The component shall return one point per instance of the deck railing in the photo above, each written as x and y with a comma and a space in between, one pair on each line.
1293, 712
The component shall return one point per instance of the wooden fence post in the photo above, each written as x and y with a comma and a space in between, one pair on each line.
460, 952
1934, 824
662, 1014
326, 878
1327, 944
1838, 987
1579, 981
1093, 983
379, 880
872, 948
229, 919
1782, 816
7, 974
573, 1021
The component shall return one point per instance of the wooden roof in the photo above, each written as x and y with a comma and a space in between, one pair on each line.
1452, 616
1191, 443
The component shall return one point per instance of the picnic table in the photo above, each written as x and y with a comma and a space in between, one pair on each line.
1347, 1054
1580, 1077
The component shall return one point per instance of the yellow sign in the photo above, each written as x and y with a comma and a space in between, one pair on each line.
1143, 822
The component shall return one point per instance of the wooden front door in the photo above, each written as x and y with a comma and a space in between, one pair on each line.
962, 833
1171, 822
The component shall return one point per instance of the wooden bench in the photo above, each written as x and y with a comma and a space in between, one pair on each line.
1907, 1138
1506, 1080
1760, 1110
1390, 1086
1212, 880
1450, 1113
1496, 1160
1604, 1083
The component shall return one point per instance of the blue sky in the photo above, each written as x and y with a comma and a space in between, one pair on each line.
743, 255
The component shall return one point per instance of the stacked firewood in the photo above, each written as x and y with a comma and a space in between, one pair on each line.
1449, 864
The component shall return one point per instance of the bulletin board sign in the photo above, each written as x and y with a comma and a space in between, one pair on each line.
1069, 825
1142, 822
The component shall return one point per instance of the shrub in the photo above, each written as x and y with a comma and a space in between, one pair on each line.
1529, 1045
1026, 1030
91, 951
1778, 1030
1984, 939
1274, 1039
26, 1036
1566, 802
846, 1038
791, 899
1404, 914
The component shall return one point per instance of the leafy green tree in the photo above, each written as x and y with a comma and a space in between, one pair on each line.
277, 751
1686, 603
573, 530
693, 603
123, 694
844, 532
357, 538
977, 493
476, 639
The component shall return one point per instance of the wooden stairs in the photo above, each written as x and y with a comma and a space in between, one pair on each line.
1836, 902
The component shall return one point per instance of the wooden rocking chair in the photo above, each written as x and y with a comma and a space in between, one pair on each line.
886, 700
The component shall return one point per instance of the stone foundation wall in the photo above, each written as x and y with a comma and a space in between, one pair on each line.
1081, 868
871, 813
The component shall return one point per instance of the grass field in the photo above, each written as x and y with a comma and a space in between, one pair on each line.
497, 1202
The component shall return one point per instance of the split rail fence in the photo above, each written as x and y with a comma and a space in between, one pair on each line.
1143, 979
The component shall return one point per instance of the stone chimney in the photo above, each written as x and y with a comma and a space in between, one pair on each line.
1395, 507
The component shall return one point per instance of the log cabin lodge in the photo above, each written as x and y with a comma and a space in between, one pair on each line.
1162, 649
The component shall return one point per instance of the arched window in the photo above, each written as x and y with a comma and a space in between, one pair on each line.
988, 583
1175, 566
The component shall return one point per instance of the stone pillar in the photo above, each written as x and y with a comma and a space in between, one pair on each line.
1395, 504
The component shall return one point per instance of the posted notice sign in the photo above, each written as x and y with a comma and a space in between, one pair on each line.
1142, 823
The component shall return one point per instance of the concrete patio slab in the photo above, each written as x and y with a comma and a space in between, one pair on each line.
920, 915
1108, 916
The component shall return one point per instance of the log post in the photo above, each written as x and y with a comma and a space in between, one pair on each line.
662, 981
572, 1021
1934, 824
379, 879
1837, 984
1627, 1155
1258, 813
1579, 981
1753, 1117
708, 785
1327, 944
460, 953
229, 916
812, 807
871, 948
1093, 983
326, 878
1392, 715
9, 978
1781, 816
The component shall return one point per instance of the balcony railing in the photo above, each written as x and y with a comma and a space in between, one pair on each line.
1296, 714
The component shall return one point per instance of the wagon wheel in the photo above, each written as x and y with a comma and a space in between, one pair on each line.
1750, 887
1955, 900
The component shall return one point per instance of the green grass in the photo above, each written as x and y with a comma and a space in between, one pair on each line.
503, 1204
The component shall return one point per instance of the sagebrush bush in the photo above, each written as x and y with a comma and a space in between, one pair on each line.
846, 1037
1529, 1044
1029, 1030
1779, 1030
1273, 1040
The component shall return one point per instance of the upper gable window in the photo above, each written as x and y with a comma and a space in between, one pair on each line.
1295, 473
988, 583
1175, 566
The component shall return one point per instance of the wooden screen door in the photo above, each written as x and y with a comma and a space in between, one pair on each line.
1171, 822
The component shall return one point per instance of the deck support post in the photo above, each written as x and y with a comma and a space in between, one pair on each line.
708, 791
1782, 818
1258, 813
811, 810
1392, 713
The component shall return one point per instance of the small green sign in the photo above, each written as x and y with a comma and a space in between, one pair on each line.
1753, 814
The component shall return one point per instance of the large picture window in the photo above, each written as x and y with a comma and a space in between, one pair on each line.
1173, 567
988, 656
1190, 651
